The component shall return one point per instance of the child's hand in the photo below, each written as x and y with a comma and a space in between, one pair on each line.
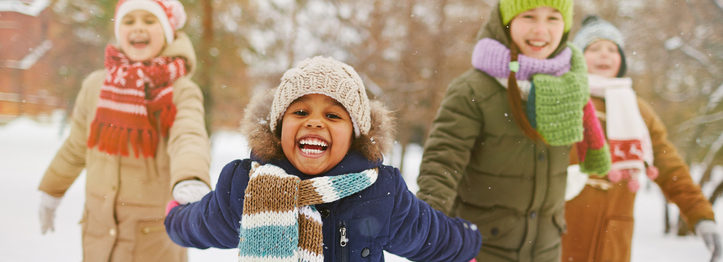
189, 191
46, 213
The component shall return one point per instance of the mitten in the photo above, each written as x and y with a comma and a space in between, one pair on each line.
46, 213
707, 230
188, 191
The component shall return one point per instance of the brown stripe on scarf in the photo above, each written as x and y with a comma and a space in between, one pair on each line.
308, 195
310, 235
280, 198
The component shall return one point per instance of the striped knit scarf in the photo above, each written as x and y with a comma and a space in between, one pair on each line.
279, 221
136, 102
558, 98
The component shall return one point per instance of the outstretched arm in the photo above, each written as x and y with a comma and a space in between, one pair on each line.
421, 233
447, 149
674, 177
214, 220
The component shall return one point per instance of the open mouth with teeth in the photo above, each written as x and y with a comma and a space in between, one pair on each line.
313, 146
536, 44
139, 43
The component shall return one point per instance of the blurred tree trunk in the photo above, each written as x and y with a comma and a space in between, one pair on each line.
407, 79
207, 62
435, 84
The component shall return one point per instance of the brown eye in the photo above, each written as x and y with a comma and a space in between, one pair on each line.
300, 113
333, 116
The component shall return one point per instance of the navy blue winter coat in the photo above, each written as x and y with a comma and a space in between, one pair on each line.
384, 216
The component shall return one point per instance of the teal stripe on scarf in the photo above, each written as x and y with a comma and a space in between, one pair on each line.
268, 240
530, 108
349, 184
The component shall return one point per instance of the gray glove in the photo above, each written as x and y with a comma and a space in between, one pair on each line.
46, 212
189, 191
707, 230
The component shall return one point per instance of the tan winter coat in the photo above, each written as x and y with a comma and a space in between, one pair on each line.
125, 197
600, 222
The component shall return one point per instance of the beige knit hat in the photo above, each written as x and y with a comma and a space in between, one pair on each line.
326, 76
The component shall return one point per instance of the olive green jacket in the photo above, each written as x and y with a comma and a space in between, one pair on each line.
478, 165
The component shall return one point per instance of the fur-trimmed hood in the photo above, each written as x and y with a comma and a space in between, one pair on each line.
267, 145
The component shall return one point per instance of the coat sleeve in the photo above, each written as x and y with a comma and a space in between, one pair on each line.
447, 150
188, 144
421, 233
213, 221
69, 161
674, 177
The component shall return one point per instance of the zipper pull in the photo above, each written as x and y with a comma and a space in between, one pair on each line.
343, 240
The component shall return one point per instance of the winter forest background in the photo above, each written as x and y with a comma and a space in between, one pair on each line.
407, 51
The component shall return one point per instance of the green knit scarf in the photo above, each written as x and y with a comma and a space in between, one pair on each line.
559, 101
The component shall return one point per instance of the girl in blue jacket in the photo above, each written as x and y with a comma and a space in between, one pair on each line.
315, 188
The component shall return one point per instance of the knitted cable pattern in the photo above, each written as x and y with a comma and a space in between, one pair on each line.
279, 221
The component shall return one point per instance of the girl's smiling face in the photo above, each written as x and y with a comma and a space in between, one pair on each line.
316, 133
141, 35
603, 58
537, 32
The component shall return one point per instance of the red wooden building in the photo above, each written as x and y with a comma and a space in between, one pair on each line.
26, 82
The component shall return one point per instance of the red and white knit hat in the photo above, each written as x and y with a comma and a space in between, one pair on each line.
170, 13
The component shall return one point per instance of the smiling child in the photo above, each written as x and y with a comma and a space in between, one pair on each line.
315, 188
138, 130
498, 148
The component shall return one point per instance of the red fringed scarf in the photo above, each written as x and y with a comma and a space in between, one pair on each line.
136, 102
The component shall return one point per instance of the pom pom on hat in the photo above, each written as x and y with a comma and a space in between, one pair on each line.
511, 8
170, 14
325, 76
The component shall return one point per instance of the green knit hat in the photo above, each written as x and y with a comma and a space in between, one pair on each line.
511, 8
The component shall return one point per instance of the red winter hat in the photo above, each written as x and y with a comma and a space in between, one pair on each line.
170, 13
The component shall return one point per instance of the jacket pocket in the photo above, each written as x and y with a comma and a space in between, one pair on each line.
152, 243
500, 227
615, 239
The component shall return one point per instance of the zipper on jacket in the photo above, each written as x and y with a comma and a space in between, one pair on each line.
343, 242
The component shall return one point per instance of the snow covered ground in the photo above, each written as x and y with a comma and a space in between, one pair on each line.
27, 146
